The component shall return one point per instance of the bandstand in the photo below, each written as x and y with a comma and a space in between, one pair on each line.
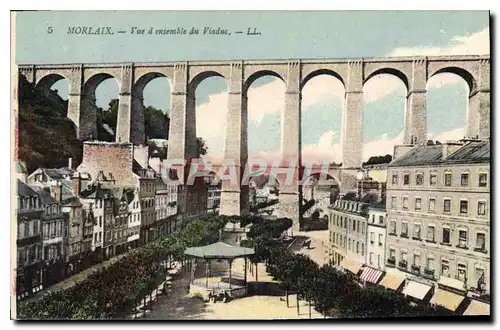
213, 277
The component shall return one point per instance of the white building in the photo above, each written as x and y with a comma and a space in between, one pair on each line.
375, 247
134, 221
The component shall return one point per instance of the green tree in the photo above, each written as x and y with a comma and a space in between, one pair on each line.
201, 147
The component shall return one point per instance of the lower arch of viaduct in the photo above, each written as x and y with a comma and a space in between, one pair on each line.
185, 76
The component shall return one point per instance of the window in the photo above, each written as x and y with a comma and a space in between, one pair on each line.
372, 238
393, 227
430, 233
481, 208
418, 204
462, 271
464, 181
447, 179
446, 235
36, 227
100, 236
378, 260
363, 228
445, 268
405, 203
416, 231
373, 218
432, 205
380, 219
481, 241
464, 205
100, 221
392, 254
394, 178
406, 179
419, 179
26, 229
404, 256
404, 229
462, 238
354, 225
380, 239
430, 262
362, 249
479, 277
416, 259
95, 237
371, 258
433, 179
357, 247
393, 202
447, 205
483, 180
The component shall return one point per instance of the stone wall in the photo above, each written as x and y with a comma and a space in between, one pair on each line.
109, 157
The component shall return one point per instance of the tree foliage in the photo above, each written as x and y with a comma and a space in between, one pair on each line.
113, 291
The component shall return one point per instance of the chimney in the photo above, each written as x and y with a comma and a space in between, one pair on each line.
77, 183
70, 162
56, 191
450, 147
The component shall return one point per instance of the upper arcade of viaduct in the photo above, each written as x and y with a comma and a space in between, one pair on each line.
414, 72
184, 77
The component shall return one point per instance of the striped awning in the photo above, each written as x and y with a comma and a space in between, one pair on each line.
447, 299
371, 275
351, 265
416, 290
392, 281
452, 283
477, 307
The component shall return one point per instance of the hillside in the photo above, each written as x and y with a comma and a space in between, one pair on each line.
46, 137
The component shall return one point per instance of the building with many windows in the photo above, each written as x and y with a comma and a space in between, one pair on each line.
438, 219
29, 211
375, 245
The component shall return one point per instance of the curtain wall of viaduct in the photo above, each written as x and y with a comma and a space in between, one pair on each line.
414, 72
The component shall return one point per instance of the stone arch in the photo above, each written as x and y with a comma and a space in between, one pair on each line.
461, 72
319, 72
145, 79
91, 84
47, 81
330, 185
392, 71
198, 78
259, 74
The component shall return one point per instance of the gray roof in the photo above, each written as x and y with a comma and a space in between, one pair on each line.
24, 190
44, 194
219, 250
472, 152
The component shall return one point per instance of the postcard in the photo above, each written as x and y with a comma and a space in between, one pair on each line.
251, 165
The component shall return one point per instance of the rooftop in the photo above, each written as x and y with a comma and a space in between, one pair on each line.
472, 152
24, 190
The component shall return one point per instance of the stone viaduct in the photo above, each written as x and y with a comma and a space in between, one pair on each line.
414, 72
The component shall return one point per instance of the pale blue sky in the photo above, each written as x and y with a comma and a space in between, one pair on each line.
284, 35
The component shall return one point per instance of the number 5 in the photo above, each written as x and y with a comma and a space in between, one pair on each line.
49, 30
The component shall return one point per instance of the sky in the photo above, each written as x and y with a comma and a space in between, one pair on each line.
319, 35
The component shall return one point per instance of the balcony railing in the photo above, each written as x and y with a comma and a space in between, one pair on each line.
415, 269
403, 264
391, 262
428, 273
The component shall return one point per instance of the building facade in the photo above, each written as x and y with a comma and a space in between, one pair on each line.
29, 277
438, 219
375, 245
134, 221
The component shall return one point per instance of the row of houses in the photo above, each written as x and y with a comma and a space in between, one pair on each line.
429, 224
70, 219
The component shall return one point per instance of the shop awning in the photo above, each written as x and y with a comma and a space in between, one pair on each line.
447, 299
351, 265
477, 307
392, 281
416, 290
371, 275
452, 283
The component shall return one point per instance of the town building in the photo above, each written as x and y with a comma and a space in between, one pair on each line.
54, 233
29, 209
122, 198
72, 208
438, 218
134, 221
375, 245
